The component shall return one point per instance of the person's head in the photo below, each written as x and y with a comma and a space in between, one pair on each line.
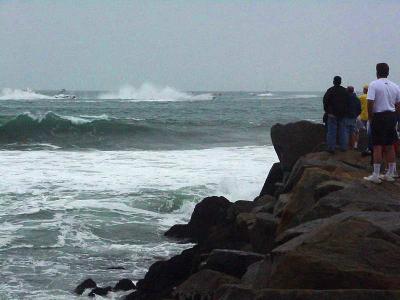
350, 89
337, 80
365, 89
382, 70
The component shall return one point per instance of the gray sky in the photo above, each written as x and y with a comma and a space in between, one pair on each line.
196, 45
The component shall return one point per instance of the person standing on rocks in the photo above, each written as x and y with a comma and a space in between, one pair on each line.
353, 110
383, 99
335, 105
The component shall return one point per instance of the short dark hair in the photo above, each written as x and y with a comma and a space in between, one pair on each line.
337, 80
382, 70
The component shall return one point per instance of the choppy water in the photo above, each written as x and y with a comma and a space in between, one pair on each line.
93, 183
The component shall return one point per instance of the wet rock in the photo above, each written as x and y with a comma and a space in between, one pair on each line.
124, 285
100, 291
203, 285
280, 204
86, 284
348, 254
231, 262
293, 140
164, 275
210, 212
258, 229
275, 175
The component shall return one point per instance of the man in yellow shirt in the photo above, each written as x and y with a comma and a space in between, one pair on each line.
364, 106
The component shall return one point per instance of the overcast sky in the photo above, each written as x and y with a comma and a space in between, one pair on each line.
196, 45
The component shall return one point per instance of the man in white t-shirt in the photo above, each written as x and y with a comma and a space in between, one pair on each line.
383, 99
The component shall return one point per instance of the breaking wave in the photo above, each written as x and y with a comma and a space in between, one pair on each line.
149, 92
16, 94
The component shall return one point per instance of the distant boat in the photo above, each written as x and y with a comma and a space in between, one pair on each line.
63, 95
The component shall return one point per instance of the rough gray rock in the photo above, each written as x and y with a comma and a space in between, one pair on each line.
202, 285
348, 254
231, 262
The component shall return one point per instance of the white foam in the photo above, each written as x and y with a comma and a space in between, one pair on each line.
265, 94
16, 94
150, 92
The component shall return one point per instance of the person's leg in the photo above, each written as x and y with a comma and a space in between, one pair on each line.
377, 150
343, 134
331, 133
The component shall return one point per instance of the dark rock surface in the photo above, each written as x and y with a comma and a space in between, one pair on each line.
293, 140
163, 276
275, 175
210, 212
203, 285
228, 292
258, 274
86, 284
258, 229
124, 285
231, 262
348, 254
100, 291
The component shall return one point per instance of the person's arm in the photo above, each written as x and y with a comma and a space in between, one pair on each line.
326, 101
370, 109
371, 100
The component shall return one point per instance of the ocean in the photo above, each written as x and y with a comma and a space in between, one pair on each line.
92, 183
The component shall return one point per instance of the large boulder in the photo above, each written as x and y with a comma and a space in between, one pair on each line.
231, 262
202, 285
293, 140
210, 212
163, 276
258, 229
348, 254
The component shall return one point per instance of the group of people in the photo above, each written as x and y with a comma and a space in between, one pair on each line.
377, 111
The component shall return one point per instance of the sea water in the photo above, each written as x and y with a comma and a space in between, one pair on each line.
93, 183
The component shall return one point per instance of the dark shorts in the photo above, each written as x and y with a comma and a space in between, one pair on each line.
383, 128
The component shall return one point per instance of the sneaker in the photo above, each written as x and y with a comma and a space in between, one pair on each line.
386, 177
373, 178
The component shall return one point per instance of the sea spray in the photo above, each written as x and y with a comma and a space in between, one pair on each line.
150, 92
16, 94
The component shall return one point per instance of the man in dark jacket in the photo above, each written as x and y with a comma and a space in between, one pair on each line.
352, 112
335, 106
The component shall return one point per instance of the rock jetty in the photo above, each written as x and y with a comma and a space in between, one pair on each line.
316, 231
